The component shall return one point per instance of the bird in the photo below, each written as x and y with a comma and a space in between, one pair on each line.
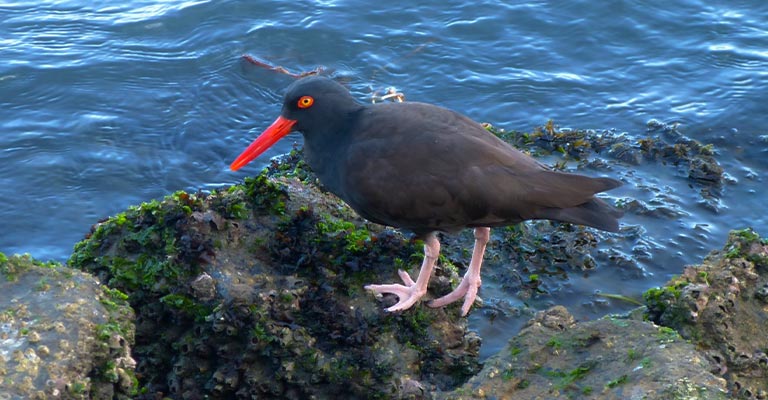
426, 169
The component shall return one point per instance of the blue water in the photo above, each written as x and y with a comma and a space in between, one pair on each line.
103, 106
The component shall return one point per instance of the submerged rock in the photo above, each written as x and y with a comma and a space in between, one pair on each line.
664, 144
62, 334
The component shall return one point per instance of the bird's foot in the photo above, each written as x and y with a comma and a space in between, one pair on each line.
466, 289
408, 294
471, 281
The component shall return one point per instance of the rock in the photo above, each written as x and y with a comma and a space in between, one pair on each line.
62, 334
720, 307
554, 357
257, 292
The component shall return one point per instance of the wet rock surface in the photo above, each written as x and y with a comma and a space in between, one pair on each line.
553, 357
722, 308
62, 334
663, 144
256, 291
710, 341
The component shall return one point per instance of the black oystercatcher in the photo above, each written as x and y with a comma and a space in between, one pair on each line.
427, 169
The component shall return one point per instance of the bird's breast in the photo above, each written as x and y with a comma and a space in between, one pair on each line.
327, 166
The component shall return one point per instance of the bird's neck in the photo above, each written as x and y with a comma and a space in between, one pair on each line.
324, 148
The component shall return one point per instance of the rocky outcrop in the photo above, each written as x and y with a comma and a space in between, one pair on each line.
257, 292
710, 341
62, 334
553, 357
721, 306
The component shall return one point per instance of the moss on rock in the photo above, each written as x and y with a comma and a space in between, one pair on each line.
721, 306
553, 357
257, 291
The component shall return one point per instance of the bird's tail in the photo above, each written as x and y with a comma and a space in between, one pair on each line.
595, 213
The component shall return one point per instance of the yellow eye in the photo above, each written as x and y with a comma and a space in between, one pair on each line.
306, 101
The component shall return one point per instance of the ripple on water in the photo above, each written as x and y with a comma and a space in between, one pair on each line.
104, 105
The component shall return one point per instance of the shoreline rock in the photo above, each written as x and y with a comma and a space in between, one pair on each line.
721, 306
222, 310
256, 291
553, 357
62, 334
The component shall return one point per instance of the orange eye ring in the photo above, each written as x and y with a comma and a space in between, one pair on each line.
305, 101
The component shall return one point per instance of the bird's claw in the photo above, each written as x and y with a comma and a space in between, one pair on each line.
467, 289
407, 294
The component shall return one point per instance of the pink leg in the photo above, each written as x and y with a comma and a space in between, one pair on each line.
411, 292
471, 281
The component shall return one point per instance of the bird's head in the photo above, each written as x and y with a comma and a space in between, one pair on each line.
312, 104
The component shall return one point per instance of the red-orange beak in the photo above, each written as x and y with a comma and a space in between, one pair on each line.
281, 127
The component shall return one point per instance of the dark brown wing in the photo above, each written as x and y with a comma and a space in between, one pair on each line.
438, 170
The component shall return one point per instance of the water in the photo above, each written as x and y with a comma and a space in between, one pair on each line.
103, 106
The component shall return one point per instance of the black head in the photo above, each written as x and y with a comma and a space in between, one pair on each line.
315, 106
317, 103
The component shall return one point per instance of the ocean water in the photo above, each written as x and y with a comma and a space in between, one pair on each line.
103, 106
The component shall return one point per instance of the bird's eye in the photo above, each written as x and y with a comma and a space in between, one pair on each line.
306, 101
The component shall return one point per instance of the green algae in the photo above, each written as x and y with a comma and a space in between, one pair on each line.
187, 305
566, 380
718, 306
150, 227
287, 325
617, 382
16, 265
355, 240
662, 300
292, 165
113, 299
740, 244
265, 194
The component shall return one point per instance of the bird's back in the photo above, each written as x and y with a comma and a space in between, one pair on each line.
435, 169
